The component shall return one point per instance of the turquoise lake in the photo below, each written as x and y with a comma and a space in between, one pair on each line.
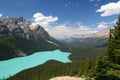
15, 65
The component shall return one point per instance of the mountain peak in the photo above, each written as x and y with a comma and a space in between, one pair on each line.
22, 27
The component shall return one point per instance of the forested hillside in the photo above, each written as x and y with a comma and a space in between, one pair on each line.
54, 68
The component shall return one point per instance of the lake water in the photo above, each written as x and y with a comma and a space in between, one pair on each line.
13, 66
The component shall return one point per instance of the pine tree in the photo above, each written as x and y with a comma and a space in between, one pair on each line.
114, 43
108, 67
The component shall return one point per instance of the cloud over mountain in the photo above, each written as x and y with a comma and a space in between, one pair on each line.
43, 20
102, 25
110, 9
67, 29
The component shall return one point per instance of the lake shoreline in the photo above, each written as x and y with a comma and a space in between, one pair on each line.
38, 58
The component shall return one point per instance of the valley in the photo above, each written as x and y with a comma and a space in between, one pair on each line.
74, 56
22, 63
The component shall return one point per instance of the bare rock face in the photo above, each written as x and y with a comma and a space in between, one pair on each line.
39, 32
21, 27
24, 28
18, 32
18, 26
27, 30
14, 25
3, 29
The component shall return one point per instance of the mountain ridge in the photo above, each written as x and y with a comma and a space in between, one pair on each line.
93, 39
103, 33
18, 39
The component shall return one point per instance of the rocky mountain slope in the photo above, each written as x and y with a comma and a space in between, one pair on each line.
18, 39
21, 27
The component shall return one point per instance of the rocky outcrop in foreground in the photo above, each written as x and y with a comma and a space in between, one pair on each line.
67, 78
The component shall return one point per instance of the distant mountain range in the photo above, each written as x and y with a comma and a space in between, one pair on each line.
18, 39
93, 39
104, 33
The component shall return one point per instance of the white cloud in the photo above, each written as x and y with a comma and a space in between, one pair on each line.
113, 22
64, 30
84, 28
1, 15
43, 20
61, 31
102, 25
110, 9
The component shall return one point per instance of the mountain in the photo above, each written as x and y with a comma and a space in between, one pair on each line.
18, 39
93, 39
3, 29
104, 33
87, 45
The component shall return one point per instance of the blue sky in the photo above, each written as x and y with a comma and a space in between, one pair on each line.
64, 15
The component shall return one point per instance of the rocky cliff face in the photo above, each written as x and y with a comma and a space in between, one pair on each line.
15, 25
39, 32
21, 27
3, 29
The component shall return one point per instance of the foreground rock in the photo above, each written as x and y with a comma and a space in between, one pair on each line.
67, 78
